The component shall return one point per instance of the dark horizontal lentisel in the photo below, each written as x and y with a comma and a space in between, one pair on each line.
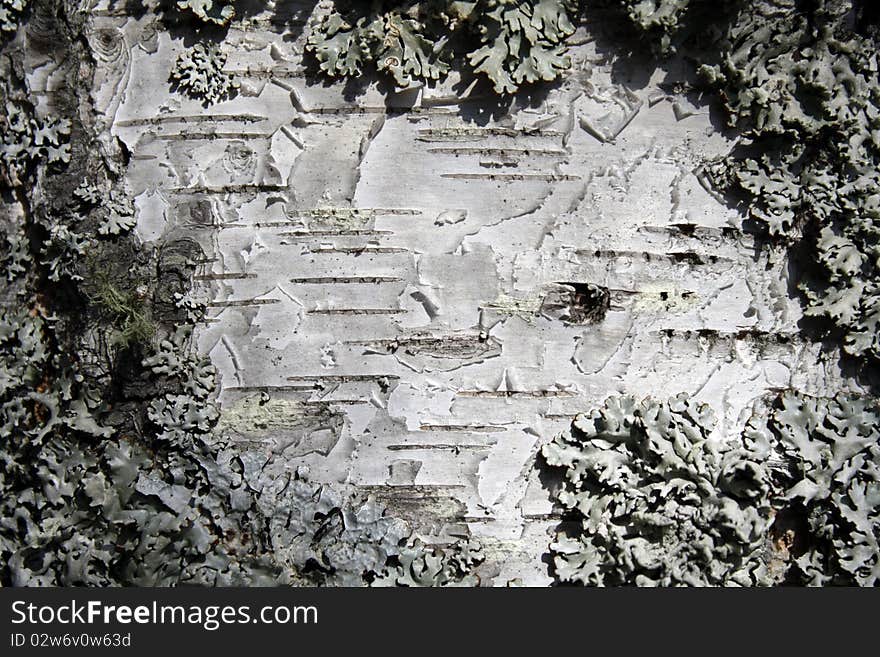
305, 234
236, 303
343, 378
463, 428
268, 388
434, 446
513, 177
358, 249
438, 134
514, 152
515, 393
329, 280
689, 257
358, 311
208, 135
225, 276
197, 118
230, 189
329, 213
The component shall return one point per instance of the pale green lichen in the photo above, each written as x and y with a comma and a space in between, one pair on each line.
27, 141
824, 458
209, 11
518, 41
117, 214
523, 41
660, 501
198, 73
129, 316
802, 87
392, 41
419, 565
10, 14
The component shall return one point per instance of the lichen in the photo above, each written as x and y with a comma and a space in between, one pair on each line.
334, 540
419, 565
392, 41
27, 140
518, 41
523, 41
198, 73
209, 11
800, 84
117, 214
659, 501
10, 14
824, 458
657, 19
129, 315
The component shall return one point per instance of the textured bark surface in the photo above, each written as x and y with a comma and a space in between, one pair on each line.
410, 291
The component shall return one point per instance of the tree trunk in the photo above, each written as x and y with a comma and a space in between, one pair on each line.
410, 291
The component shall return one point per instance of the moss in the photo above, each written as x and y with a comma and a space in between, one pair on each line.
128, 312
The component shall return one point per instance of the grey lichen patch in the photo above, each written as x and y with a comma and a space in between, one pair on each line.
660, 502
393, 41
331, 539
198, 73
419, 565
86, 487
186, 416
823, 456
28, 141
10, 15
116, 213
209, 11
809, 102
33, 404
659, 19
524, 42
15, 254
519, 41
335, 540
